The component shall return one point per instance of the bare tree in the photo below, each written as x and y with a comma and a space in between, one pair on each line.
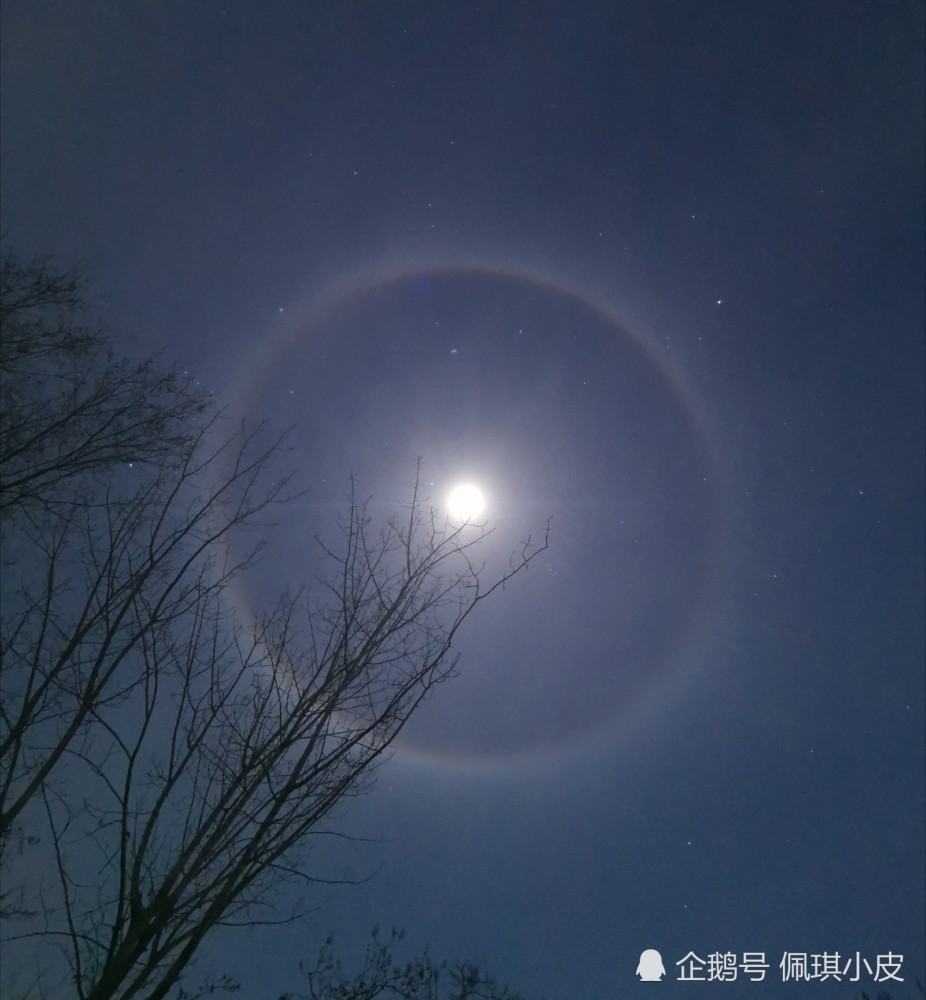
384, 977
69, 407
173, 758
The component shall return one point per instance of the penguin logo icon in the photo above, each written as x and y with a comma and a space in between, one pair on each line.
650, 968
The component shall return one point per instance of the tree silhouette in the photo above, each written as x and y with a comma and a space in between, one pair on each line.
69, 408
166, 760
383, 976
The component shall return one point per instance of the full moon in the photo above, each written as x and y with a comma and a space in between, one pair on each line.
464, 502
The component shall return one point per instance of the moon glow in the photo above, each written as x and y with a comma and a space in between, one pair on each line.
662, 424
465, 502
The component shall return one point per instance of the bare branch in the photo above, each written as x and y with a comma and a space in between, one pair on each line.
177, 760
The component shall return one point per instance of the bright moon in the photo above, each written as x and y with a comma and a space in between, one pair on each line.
464, 502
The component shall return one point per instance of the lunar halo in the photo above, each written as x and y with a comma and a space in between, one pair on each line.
466, 501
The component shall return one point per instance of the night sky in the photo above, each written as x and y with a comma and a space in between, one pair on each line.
654, 269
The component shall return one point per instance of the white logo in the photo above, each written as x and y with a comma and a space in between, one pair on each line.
650, 968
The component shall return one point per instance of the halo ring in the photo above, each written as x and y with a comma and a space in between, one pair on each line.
680, 671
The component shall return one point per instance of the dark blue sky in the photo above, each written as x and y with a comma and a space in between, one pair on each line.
655, 269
